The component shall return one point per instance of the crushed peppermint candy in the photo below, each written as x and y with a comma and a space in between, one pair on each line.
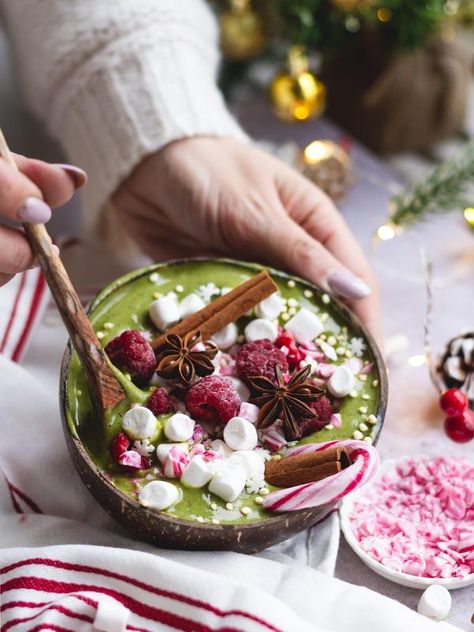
418, 518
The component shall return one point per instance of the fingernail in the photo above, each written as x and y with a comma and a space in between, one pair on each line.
34, 211
78, 176
347, 285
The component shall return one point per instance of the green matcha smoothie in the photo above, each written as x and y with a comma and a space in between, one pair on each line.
125, 305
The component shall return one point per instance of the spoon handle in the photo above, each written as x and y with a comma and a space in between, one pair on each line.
105, 388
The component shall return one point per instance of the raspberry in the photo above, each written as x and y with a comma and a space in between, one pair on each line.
132, 353
259, 358
323, 410
159, 403
213, 399
119, 445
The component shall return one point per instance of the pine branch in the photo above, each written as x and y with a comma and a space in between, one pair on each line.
443, 189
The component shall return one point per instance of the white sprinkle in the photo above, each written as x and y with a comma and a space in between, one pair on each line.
326, 299
340, 351
154, 277
332, 341
372, 420
78, 392
292, 302
229, 506
285, 316
258, 500
179, 288
375, 383
357, 435
353, 394
329, 427
276, 457
363, 410
100, 334
245, 511
363, 427
264, 491
292, 311
291, 283
213, 506
348, 354
363, 378
323, 318
308, 293
368, 440
200, 519
215, 521
365, 396
108, 325
157, 295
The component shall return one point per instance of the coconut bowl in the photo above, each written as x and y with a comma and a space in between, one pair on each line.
167, 531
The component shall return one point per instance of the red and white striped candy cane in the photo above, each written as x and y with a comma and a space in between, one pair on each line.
365, 463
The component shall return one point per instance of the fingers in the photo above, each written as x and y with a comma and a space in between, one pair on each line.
15, 253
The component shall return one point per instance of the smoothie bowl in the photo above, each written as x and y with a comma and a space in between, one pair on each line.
236, 440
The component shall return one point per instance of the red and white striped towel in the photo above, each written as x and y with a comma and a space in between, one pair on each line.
22, 304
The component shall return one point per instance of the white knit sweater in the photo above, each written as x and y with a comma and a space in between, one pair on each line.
115, 80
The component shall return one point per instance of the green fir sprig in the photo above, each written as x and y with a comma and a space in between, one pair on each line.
445, 188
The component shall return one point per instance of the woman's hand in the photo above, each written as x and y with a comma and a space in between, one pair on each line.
206, 196
27, 196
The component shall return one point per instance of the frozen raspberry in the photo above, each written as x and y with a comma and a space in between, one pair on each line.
132, 353
213, 399
159, 402
323, 412
119, 445
259, 358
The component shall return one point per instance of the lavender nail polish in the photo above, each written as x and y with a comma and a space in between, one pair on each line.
348, 285
34, 211
78, 176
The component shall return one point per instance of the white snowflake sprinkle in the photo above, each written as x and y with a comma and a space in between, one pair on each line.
207, 291
357, 346
143, 447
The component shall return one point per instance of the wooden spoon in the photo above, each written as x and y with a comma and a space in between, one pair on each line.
104, 387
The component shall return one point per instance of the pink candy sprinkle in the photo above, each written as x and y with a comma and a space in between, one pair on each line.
419, 518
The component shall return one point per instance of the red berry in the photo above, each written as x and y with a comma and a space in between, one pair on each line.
132, 353
323, 410
284, 340
460, 428
159, 402
259, 358
294, 356
453, 402
119, 445
213, 399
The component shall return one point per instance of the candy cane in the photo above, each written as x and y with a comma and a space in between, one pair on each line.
365, 463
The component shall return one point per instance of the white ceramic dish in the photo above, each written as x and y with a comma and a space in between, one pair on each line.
412, 581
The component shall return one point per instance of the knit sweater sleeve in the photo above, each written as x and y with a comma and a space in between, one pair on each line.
115, 80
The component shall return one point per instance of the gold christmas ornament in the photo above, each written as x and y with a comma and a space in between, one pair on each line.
242, 34
297, 94
329, 166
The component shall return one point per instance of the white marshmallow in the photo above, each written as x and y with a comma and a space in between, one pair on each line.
240, 434
165, 311
251, 461
226, 337
241, 388
163, 449
158, 495
435, 602
179, 427
221, 447
191, 304
341, 382
270, 307
229, 482
139, 423
248, 411
305, 326
198, 473
260, 328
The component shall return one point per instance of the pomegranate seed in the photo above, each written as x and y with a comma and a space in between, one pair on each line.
284, 340
453, 402
460, 428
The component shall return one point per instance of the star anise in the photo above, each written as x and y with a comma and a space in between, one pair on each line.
288, 401
177, 359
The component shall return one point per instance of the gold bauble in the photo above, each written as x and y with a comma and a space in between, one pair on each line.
329, 166
297, 94
242, 34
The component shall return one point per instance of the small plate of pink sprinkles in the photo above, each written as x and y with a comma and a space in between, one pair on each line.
414, 522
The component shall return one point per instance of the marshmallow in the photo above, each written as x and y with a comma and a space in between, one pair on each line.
251, 461
305, 326
240, 434
248, 411
163, 448
140, 423
229, 482
435, 602
221, 447
241, 388
341, 382
198, 473
175, 462
191, 304
260, 328
271, 307
164, 312
158, 495
226, 337
179, 427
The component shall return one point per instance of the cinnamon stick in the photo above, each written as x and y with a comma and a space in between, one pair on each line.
306, 468
224, 310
